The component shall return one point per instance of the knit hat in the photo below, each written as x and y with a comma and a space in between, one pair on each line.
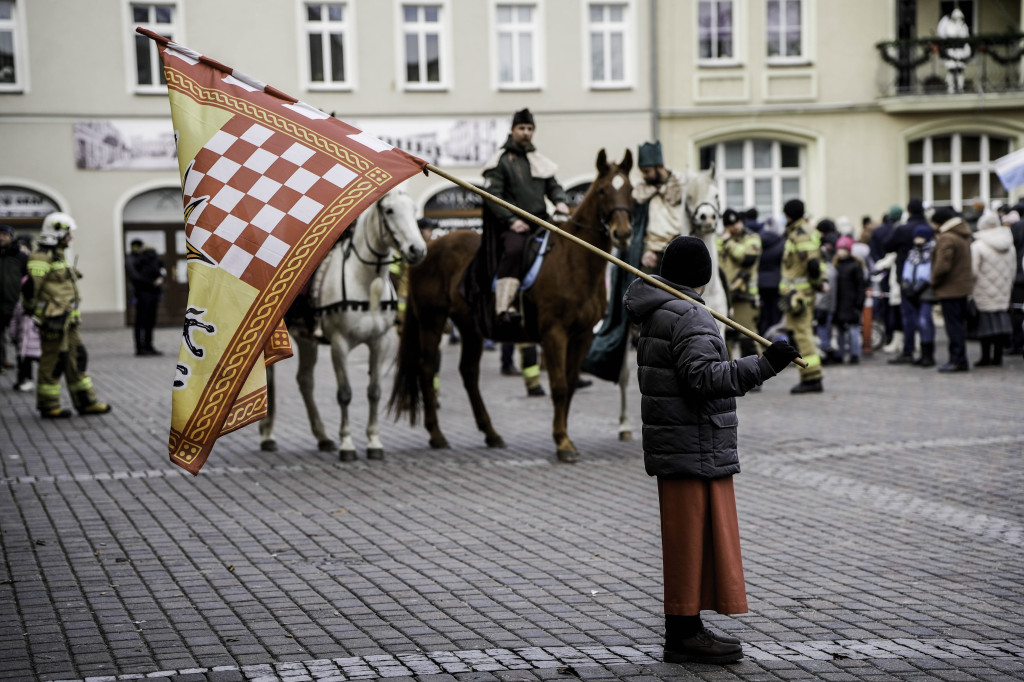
943, 215
649, 154
825, 226
687, 262
915, 207
794, 209
730, 217
923, 230
522, 116
845, 242
895, 212
7, 229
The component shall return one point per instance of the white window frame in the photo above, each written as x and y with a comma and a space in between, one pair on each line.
783, 59
628, 28
956, 168
324, 28
444, 33
748, 174
16, 26
177, 36
536, 28
737, 43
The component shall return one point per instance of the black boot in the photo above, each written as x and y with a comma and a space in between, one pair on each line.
812, 386
687, 640
927, 358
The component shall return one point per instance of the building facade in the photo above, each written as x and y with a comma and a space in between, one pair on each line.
847, 105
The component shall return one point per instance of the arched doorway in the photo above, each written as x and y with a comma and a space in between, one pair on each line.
24, 209
155, 218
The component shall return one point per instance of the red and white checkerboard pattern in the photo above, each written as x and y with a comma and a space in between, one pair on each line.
263, 189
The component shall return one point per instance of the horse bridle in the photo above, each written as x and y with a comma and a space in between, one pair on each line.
606, 218
382, 259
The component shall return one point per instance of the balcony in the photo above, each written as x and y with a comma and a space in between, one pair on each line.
922, 74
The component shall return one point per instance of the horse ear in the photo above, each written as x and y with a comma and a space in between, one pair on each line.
602, 163
711, 171
627, 162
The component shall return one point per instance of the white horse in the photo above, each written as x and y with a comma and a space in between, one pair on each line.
352, 294
702, 217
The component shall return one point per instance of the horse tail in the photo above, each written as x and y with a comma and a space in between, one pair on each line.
405, 394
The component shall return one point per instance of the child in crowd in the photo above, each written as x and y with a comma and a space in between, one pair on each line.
26, 340
851, 287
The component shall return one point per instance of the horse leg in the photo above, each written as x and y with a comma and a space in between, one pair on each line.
304, 377
555, 345
339, 358
625, 428
374, 447
430, 343
267, 442
469, 368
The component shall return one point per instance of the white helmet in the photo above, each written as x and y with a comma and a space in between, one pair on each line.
56, 226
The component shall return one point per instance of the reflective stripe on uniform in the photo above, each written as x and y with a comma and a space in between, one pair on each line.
48, 390
83, 384
38, 268
531, 371
812, 361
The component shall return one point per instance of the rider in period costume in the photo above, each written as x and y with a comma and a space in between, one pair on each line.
50, 296
659, 205
739, 256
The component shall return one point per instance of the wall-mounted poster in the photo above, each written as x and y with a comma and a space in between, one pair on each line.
108, 144
444, 142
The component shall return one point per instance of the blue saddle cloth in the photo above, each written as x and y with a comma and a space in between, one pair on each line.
538, 243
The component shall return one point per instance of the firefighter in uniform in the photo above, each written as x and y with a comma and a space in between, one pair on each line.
50, 295
802, 277
739, 255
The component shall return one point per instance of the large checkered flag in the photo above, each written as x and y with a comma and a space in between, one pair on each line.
269, 185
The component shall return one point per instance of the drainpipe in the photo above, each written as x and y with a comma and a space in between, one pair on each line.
653, 23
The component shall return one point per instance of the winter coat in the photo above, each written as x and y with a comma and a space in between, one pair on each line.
916, 279
24, 334
951, 261
851, 288
769, 270
826, 299
994, 265
522, 177
689, 385
12, 269
144, 269
901, 239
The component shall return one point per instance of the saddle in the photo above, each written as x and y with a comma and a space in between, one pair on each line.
534, 251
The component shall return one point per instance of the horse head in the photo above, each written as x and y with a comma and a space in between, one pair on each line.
397, 213
700, 202
615, 197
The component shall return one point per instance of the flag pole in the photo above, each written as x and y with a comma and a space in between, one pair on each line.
605, 255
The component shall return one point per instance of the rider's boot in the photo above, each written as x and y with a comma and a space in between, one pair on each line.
504, 296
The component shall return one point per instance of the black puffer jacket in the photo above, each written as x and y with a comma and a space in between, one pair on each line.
689, 385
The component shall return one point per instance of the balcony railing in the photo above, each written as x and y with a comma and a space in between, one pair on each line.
928, 66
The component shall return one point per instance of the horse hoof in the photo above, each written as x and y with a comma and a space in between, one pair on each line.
325, 446
375, 453
625, 435
347, 455
439, 443
568, 456
495, 442
268, 446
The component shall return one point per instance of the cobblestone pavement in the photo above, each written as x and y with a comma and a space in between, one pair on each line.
881, 526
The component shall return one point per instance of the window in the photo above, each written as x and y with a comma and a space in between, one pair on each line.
952, 169
10, 48
422, 35
328, 43
607, 28
715, 30
149, 76
517, 44
759, 173
785, 37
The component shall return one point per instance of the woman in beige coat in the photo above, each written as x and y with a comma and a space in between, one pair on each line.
994, 265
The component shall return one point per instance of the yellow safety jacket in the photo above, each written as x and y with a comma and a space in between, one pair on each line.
54, 288
738, 257
802, 246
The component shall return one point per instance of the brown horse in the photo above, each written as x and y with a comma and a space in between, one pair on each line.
560, 310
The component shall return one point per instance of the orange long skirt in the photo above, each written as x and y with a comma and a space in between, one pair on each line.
700, 541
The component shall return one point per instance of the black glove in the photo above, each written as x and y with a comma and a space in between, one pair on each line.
780, 354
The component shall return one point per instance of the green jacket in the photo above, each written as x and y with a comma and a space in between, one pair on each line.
522, 178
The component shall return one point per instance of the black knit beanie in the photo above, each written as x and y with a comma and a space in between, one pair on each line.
687, 262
